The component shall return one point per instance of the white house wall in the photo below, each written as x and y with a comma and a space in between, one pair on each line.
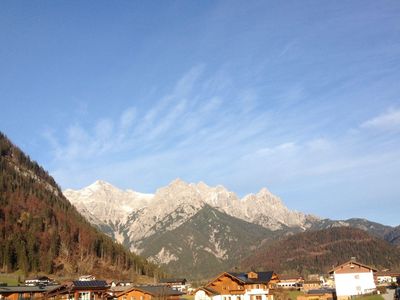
354, 284
201, 295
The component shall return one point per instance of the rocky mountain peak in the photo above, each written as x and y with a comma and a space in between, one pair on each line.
177, 182
101, 183
202, 185
142, 215
264, 192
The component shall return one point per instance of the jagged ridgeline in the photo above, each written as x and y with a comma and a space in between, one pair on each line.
40, 231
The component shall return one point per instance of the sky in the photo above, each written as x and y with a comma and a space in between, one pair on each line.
301, 97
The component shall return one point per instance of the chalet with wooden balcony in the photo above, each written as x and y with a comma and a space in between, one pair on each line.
239, 286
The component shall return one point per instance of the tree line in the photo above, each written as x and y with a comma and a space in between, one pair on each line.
40, 231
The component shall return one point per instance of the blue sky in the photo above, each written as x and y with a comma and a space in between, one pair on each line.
301, 97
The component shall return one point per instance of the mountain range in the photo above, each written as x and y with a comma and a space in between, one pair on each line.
193, 230
196, 230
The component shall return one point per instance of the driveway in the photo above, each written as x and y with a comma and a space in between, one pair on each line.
389, 294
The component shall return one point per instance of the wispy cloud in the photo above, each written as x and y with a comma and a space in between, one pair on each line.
229, 136
189, 118
389, 120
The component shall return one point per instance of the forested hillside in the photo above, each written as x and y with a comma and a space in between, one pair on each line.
318, 251
40, 231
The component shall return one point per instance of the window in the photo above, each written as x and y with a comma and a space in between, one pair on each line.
84, 296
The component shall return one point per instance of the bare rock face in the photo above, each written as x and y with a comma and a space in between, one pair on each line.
146, 223
106, 202
134, 216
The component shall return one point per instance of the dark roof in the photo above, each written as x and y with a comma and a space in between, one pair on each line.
172, 280
155, 290
262, 277
28, 289
90, 284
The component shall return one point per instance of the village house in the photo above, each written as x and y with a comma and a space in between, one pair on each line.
239, 286
88, 289
353, 278
290, 282
149, 292
114, 291
40, 280
179, 284
26, 292
81, 290
386, 277
308, 285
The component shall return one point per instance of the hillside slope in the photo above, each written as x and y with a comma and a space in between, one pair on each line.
40, 231
393, 236
208, 243
318, 251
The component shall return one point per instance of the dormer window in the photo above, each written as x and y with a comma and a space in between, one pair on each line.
252, 275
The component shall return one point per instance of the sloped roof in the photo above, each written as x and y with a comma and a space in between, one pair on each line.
172, 280
208, 290
388, 273
262, 277
119, 289
154, 290
90, 284
28, 289
289, 277
351, 261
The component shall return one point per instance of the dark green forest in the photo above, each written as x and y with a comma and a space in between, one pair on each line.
40, 231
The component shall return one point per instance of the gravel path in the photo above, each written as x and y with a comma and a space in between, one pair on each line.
389, 294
